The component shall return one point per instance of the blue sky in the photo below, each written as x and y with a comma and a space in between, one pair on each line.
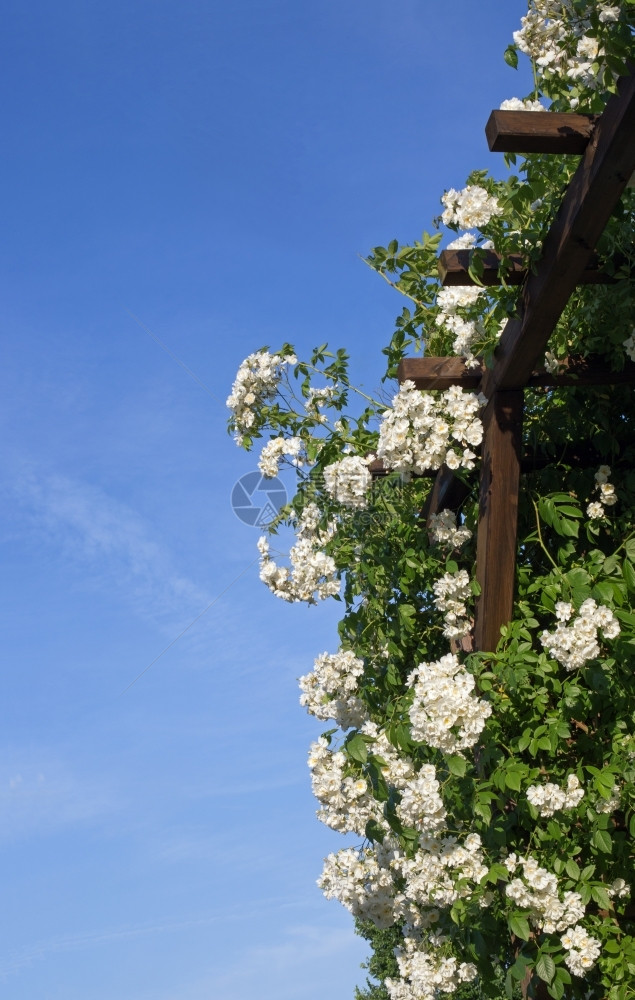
205, 174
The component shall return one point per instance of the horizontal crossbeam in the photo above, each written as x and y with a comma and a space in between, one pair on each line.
583, 455
454, 269
539, 131
441, 373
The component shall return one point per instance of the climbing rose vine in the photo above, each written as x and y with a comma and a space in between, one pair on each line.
491, 795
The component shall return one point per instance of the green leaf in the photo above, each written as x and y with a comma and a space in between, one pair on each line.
572, 869
570, 511
519, 925
547, 510
511, 56
519, 968
512, 780
497, 873
601, 896
556, 990
602, 841
374, 831
546, 968
356, 748
628, 572
456, 765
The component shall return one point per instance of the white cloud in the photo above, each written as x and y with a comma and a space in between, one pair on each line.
303, 962
39, 794
107, 537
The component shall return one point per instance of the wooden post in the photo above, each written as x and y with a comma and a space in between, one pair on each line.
498, 516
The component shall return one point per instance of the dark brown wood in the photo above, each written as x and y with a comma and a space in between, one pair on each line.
454, 269
583, 454
438, 373
498, 516
539, 131
595, 189
441, 373
448, 493
378, 469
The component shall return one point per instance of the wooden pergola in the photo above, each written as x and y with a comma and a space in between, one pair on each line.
606, 143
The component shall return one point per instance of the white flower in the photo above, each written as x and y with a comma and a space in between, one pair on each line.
464, 242
573, 645
470, 208
255, 385
348, 481
451, 592
603, 473
595, 511
629, 346
421, 429
550, 798
329, 692
312, 575
551, 362
444, 531
609, 14
445, 713
274, 450
362, 882
582, 950
619, 888
515, 104
607, 494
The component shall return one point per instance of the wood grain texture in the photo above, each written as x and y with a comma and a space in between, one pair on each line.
448, 493
441, 373
498, 516
539, 131
454, 270
595, 189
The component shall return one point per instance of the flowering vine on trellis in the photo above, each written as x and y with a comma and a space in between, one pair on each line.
494, 790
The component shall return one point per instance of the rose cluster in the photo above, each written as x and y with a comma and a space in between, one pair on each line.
445, 713
452, 303
573, 645
470, 208
256, 383
537, 892
328, 692
562, 46
275, 450
422, 431
549, 798
451, 592
445, 532
348, 481
607, 494
313, 574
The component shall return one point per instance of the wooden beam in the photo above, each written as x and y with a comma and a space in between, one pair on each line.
582, 454
448, 493
498, 516
595, 189
454, 269
378, 469
539, 131
441, 373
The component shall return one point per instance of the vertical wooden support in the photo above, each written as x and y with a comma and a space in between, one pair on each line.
498, 515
